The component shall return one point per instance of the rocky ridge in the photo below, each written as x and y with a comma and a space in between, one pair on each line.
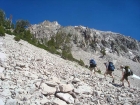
33, 76
90, 40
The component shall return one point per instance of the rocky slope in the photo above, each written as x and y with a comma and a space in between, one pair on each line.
32, 76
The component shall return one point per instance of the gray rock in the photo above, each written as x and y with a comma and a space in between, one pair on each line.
57, 101
85, 89
75, 80
66, 97
128, 103
47, 90
11, 102
66, 87
1, 69
51, 83
20, 64
2, 102
97, 93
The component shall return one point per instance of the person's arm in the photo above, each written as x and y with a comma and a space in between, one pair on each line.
107, 66
123, 70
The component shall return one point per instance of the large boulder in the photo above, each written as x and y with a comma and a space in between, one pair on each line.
66, 87
66, 97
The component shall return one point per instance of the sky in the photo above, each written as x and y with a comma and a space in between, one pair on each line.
120, 16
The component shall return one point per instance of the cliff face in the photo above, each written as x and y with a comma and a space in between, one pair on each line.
90, 40
44, 30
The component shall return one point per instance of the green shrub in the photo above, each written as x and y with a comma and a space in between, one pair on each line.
52, 49
51, 42
41, 46
2, 33
124, 48
59, 39
20, 26
64, 54
103, 51
33, 41
2, 17
81, 63
17, 38
99, 71
67, 55
75, 60
7, 24
58, 53
86, 66
8, 32
27, 35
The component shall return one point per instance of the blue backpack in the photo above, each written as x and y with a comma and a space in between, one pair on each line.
93, 63
111, 67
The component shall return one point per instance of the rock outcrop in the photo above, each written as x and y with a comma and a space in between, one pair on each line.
33, 76
45, 30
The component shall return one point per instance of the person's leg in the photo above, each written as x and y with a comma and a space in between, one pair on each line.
105, 74
91, 69
112, 76
122, 80
127, 81
94, 70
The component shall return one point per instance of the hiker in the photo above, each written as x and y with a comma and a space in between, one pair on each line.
125, 73
109, 69
93, 66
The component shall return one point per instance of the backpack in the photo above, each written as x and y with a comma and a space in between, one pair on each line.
92, 63
111, 67
128, 71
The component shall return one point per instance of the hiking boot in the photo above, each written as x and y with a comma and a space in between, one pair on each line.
113, 81
122, 84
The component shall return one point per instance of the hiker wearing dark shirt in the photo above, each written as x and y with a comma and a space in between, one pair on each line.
109, 70
93, 66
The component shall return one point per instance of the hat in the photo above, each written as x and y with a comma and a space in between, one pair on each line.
122, 66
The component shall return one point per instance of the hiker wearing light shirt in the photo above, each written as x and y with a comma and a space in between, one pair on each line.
125, 73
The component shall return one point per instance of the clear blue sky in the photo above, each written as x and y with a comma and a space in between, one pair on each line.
121, 16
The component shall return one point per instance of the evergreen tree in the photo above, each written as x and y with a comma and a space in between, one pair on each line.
21, 25
2, 33
2, 17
